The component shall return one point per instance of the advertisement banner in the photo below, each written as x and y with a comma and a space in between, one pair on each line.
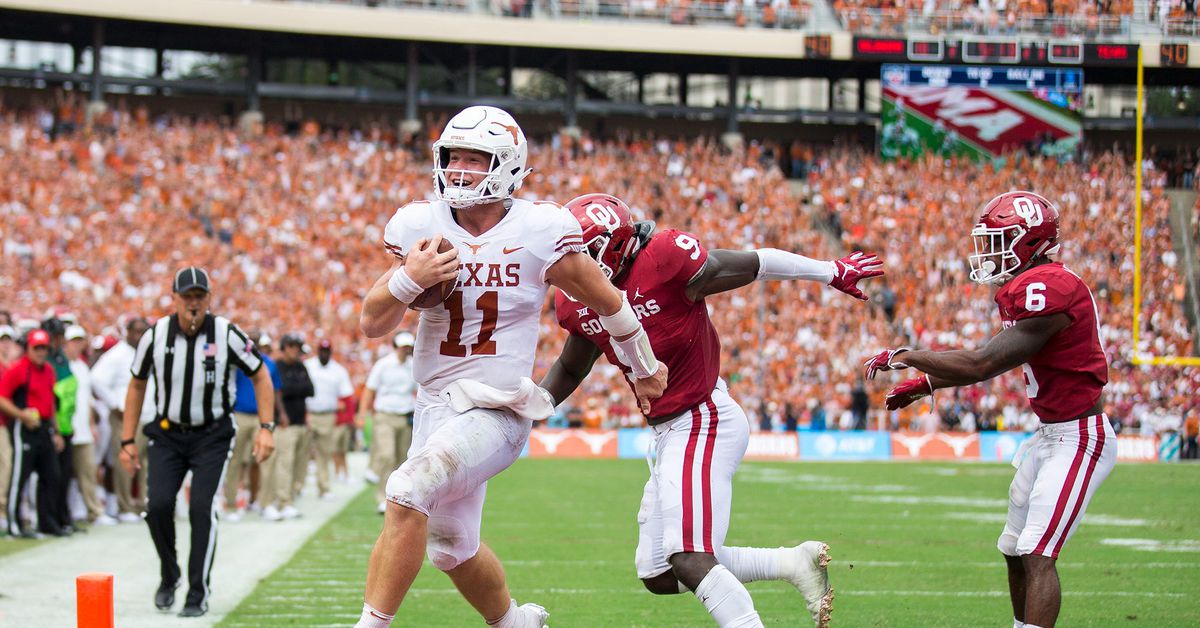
572, 443
633, 442
1000, 446
845, 446
1137, 448
935, 446
773, 446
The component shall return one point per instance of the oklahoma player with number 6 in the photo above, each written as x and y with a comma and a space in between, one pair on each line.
700, 432
505, 252
1050, 329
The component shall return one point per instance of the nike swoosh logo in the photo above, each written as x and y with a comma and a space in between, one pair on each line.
507, 250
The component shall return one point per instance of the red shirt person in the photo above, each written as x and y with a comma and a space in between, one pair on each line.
1051, 330
27, 393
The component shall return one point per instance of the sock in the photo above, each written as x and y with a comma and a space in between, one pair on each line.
727, 600
373, 618
751, 564
1018, 623
508, 619
1031, 626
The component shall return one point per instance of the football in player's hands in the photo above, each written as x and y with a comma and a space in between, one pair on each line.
436, 294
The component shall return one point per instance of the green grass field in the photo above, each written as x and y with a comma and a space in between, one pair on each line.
913, 545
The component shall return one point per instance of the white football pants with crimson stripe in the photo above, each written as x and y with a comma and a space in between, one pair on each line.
1058, 471
686, 502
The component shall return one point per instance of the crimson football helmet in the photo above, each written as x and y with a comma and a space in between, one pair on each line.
1013, 230
608, 231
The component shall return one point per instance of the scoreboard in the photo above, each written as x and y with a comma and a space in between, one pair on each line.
998, 50
1067, 80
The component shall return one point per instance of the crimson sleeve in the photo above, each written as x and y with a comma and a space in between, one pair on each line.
679, 256
13, 378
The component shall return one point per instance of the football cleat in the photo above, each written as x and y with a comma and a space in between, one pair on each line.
531, 615
807, 565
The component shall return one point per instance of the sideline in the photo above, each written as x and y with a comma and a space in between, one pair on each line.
37, 586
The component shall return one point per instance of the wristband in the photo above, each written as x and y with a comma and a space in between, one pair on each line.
403, 287
636, 347
127, 442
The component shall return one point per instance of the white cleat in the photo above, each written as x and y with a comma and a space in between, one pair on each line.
531, 616
807, 566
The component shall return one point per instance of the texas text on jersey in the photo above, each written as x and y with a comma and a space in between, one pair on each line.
1068, 374
680, 331
488, 328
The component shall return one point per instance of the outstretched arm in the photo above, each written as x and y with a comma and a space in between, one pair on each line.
1006, 350
727, 270
571, 368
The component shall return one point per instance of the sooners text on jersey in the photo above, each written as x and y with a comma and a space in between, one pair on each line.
1068, 374
680, 331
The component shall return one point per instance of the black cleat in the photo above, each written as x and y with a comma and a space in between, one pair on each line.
164, 598
193, 610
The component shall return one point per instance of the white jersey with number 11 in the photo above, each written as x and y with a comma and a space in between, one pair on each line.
488, 329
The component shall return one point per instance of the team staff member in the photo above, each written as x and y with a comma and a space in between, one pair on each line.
391, 393
191, 354
110, 382
291, 442
27, 393
8, 352
331, 382
245, 413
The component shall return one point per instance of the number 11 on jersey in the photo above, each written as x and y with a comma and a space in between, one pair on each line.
488, 304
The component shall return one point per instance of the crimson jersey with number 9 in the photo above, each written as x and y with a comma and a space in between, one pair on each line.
682, 335
1068, 374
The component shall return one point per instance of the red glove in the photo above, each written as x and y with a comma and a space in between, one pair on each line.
884, 361
908, 392
850, 269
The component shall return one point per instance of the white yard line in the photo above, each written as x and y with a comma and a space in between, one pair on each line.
37, 586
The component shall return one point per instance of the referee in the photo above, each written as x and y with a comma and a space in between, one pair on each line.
191, 355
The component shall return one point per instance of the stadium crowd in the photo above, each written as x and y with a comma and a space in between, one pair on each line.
1058, 18
92, 218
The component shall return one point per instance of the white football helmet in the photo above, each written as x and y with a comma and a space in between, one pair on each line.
489, 130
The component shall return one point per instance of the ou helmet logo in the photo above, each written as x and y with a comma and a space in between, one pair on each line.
603, 216
1029, 211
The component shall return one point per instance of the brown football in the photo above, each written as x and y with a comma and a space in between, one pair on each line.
436, 294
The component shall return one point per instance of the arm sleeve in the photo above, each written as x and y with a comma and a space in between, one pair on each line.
143, 357
401, 230
242, 352
274, 371
559, 235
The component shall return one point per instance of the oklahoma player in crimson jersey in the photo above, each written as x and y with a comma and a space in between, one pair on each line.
700, 432
1051, 330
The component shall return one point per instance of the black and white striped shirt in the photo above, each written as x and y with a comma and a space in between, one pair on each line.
194, 375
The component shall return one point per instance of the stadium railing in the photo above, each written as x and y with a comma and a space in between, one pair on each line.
678, 12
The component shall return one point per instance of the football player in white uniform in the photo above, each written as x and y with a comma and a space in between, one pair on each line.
506, 253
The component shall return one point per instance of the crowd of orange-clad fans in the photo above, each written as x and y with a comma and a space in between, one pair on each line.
94, 220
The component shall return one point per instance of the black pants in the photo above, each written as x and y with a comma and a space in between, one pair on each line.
172, 453
33, 450
66, 471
